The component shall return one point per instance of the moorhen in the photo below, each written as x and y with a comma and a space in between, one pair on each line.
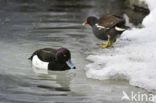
108, 27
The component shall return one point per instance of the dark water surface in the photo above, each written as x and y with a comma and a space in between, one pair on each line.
28, 25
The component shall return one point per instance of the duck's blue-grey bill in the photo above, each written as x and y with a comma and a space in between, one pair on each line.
70, 64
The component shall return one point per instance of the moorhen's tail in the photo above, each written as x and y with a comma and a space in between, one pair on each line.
121, 27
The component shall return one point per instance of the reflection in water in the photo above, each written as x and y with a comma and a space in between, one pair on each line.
28, 25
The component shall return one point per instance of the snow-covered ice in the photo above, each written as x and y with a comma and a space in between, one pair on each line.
133, 57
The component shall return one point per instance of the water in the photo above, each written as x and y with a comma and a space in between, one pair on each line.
28, 25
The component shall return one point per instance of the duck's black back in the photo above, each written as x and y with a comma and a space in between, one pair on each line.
45, 54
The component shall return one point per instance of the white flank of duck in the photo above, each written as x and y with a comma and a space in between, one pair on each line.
37, 63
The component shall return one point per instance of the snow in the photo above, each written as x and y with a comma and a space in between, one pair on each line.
133, 57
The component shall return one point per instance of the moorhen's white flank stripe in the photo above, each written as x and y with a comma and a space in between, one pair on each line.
100, 27
119, 29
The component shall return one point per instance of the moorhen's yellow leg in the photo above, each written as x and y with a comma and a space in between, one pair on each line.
106, 44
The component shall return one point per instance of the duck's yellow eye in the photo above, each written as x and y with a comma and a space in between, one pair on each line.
65, 55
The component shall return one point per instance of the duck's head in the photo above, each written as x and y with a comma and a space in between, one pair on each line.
91, 20
63, 55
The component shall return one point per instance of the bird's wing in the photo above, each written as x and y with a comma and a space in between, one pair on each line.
46, 54
110, 20
48, 50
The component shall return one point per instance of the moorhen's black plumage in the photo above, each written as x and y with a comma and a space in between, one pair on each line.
108, 27
52, 59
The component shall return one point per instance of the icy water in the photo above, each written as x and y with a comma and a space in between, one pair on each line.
28, 25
